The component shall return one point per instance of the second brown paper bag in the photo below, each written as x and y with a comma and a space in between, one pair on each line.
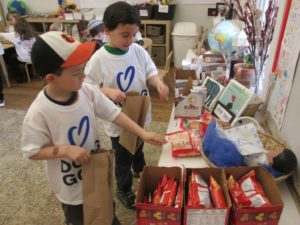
136, 108
97, 189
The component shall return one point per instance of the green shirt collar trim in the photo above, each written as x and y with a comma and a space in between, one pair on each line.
115, 51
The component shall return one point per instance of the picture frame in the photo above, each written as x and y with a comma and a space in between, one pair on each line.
214, 90
224, 10
232, 102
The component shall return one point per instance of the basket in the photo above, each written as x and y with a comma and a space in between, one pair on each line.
267, 140
252, 107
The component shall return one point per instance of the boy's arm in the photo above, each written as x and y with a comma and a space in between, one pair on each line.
75, 153
161, 88
114, 94
125, 122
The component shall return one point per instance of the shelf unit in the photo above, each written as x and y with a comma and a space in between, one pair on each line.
159, 51
42, 24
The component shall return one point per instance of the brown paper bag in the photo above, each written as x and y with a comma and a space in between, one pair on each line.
136, 108
97, 189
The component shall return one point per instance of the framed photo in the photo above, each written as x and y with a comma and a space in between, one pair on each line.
224, 10
214, 90
232, 102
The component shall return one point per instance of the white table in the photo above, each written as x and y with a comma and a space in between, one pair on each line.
166, 158
290, 213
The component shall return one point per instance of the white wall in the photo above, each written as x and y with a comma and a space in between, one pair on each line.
187, 13
194, 13
272, 50
291, 123
39, 5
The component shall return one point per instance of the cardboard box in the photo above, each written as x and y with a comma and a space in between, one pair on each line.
207, 216
148, 214
164, 12
187, 104
262, 215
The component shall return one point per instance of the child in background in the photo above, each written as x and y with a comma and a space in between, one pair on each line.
96, 29
63, 110
23, 38
118, 67
82, 30
11, 18
56, 27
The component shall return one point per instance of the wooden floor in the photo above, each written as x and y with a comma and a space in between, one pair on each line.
20, 96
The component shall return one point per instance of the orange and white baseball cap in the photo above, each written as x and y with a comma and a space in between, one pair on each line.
53, 50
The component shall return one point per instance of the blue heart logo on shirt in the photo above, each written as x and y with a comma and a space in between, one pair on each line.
125, 78
79, 133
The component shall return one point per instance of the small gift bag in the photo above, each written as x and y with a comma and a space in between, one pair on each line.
136, 108
98, 189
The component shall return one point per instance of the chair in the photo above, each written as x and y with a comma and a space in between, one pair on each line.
162, 73
27, 71
4, 70
148, 45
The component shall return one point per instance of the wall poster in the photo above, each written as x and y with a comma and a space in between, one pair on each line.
286, 66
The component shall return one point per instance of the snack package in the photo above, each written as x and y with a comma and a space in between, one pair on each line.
200, 192
253, 190
237, 195
190, 193
168, 190
186, 124
159, 191
178, 200
216, 193
206, 118
185, 143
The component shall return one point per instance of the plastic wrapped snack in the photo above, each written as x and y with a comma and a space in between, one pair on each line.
216, 193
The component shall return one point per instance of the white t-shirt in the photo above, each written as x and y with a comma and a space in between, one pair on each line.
23, 47
47, 123
128, 72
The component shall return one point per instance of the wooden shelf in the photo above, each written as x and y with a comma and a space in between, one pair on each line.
166, 31
42, 24
45, 22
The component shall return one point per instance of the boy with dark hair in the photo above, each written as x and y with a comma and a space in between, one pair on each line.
60, 125
119, 67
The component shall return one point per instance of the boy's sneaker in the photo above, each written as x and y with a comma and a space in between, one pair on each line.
126, 198
2, 103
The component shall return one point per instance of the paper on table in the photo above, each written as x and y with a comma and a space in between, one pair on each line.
246, 139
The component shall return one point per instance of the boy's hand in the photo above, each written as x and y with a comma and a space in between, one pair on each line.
77, 154
116, 95
163, 91
153, 138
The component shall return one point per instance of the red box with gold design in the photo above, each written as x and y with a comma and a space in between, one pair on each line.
268, 215
149, 214
207, 216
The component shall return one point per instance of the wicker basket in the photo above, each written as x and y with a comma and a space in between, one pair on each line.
252, 107
269, 143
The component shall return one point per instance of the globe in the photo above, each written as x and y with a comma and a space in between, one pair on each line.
17, 6
223, 36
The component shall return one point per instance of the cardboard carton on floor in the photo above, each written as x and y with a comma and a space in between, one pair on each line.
148, 214
207, 216
256, 216
187, 104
